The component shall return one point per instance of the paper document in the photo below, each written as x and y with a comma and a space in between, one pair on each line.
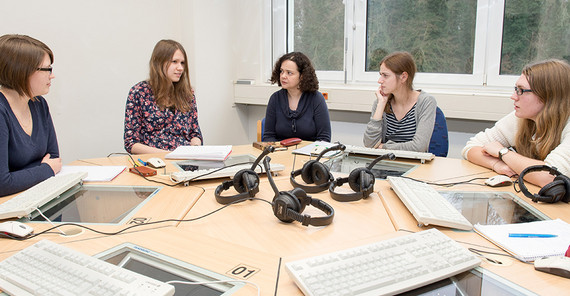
218, 153
529, 248
94, 173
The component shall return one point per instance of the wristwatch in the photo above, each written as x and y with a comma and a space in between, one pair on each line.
503, 151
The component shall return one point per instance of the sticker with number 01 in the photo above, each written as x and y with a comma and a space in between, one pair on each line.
243, 271
139, 220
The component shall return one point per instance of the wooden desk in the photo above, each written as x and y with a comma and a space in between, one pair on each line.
249, 233
216, 255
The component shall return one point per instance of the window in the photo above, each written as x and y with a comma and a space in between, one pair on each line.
454, 42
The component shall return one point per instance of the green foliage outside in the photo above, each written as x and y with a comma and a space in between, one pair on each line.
440, 34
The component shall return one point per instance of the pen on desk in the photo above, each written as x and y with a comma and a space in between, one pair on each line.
531, 235
142, 162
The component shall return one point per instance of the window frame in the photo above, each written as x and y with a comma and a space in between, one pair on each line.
487, 47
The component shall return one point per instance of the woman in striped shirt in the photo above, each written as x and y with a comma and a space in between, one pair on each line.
402, 118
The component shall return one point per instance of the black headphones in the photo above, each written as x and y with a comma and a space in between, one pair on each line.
315, 172
557, 190
360, 180
246, 182
288, 205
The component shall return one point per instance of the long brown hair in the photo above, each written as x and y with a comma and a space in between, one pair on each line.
168, 94
399, 62
20, 57
550, 81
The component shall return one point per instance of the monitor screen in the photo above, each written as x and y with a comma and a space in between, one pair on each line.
165, 268
165, 276
492, 208
96, 204
475, 282
194, 165
347, 163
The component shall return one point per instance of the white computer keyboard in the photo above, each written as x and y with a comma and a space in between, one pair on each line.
34, 197
422, 156
427, 205
47, 268
229, 171
383, 268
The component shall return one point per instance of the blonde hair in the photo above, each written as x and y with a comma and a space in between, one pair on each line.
20, 57
168, 94
550, 81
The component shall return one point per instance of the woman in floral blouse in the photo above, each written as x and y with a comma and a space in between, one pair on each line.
161, 112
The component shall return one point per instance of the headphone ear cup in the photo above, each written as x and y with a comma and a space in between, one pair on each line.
284, 201
319, 173
245, 179
566, 180
306, 172
553, 191
360, 179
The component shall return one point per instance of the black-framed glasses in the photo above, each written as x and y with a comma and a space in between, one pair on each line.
48, 69
521, 91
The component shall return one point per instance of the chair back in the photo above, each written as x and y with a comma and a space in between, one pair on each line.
260, 128
439, 143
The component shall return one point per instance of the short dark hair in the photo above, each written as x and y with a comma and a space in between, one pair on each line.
20, 57
308, 78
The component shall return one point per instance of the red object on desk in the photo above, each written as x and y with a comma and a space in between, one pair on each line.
567, 252
290, 142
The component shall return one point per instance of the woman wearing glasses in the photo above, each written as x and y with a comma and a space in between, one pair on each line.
538, 130
29, 152
161, 113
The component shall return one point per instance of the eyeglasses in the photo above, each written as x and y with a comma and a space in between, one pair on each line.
520, 91
48, 69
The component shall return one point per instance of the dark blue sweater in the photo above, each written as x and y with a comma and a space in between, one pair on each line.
21, 156
309, 122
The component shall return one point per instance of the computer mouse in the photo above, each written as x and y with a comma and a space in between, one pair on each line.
558, 265
156, 162
499, 181
14, 229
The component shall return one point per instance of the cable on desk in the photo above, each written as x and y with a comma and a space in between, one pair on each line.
135, 165
144, 224
466, 182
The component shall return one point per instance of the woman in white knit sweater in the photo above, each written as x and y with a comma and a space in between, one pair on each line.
538, 130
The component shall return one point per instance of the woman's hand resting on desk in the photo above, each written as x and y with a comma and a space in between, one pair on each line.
493, 148
500, 166
54, 163
503, 169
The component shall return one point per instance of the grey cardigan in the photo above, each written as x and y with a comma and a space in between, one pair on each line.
425, 119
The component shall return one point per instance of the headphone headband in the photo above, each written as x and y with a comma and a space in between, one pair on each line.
332, 148
361, 181
307, 188
245, 181
558, 190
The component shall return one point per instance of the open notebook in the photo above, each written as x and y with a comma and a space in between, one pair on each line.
529, 248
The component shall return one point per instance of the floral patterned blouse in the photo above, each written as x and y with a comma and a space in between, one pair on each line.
165, 129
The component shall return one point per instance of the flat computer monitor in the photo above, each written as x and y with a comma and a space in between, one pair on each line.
347, 163
492, 208
165, 268
96, 204
477, 281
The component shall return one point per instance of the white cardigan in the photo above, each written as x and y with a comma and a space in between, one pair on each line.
505, 131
